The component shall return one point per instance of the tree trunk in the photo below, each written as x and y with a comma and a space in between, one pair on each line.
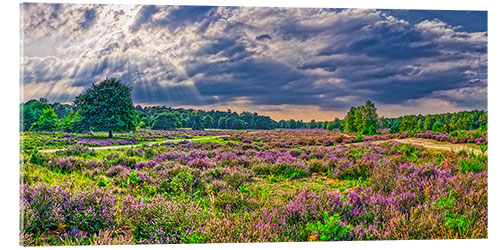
110, 135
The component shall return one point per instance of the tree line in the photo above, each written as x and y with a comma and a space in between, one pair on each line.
364, 120
107, 106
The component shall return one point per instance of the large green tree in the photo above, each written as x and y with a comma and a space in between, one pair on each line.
107, 106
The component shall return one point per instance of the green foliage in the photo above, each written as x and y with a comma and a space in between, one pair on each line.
233, 201
181, 184
363, 119
395, 127
48, 121
239, 124
132, 180
107, 106
475, 163
222, 122
483, 147
197, 123
371, 130
208, 121
68, 121
330, 229
36, 158
457, 223
437, 127
272, 179
31, 113
263, 122
447, 122
168, 222
428, 122
409, 151
317, 166
336, 124
408, 123
285, 170
167, 121
102, 182
446, 202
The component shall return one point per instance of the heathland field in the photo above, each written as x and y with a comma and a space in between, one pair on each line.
187, 186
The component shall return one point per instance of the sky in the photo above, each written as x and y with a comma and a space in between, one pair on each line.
288, 63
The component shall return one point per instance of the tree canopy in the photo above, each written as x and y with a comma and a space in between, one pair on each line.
362, 119
107, 106
166, 121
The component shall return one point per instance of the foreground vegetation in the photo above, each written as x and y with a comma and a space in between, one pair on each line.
341, 180
292, 185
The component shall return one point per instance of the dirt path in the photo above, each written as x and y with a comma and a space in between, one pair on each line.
427, 143
136, 145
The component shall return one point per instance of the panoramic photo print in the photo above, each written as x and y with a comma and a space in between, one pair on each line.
155, 124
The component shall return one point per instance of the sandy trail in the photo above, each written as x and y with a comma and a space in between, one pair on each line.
136, 145
427, 143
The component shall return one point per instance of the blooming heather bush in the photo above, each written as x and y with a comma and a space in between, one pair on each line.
78, 150
455, 137
164, 221
230, 200
318, 166
117, 170
52, 207
199, 163
146, 164
66, 164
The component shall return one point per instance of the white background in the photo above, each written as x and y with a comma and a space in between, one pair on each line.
9, 122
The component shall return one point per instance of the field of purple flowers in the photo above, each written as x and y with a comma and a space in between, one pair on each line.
292, 185
49, 140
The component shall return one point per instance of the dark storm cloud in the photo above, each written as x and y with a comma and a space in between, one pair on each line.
331, 58
89, 17
263, 37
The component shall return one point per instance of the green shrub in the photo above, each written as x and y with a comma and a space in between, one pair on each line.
296, 152
132, 180
474, 163
262, 169
184, 181
272, 179
457, 223
36, 158
233, 201
317, 166
102, 182
330, 229
291, 171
